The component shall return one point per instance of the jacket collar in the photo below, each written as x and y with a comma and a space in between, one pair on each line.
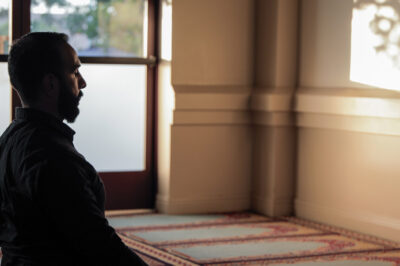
31, 114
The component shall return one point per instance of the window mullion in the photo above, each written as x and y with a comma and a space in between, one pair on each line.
150, 61
19, 25
20, 18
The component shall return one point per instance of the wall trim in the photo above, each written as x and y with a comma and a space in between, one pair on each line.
350, 102
272, 207
365, 111
371, 125
271, 101
276, 119
202, 205
272, 108
352, 219
224, 105
360, 110
208, 97
196, 117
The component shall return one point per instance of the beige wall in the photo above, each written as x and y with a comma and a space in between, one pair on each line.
271, 104
230, 144
212, 42
207, 151
348, 137
257, 111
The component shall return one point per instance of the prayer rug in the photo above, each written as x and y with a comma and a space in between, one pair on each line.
247, 239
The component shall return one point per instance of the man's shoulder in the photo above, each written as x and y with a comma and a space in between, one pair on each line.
32, 145
32, 142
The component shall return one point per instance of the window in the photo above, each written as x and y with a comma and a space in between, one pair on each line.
115, 40
5, 93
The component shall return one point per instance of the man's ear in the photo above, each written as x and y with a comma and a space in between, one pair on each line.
50, 85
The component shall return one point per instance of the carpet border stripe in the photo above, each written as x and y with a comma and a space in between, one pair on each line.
344, 232
145, 249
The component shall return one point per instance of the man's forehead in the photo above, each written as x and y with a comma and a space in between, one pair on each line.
76, 58
70, 56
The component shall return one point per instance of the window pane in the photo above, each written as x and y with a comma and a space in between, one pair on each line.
111, 127
114, 28
5, 98
4, 26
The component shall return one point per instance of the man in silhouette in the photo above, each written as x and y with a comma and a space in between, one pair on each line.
51, 198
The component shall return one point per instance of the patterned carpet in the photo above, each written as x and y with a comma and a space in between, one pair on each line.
247, 239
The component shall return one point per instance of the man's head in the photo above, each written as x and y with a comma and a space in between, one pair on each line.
43, 69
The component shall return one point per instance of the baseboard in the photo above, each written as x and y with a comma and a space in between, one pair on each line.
272, 207
209, 205
356, 220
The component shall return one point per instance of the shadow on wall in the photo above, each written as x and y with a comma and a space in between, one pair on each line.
375, 43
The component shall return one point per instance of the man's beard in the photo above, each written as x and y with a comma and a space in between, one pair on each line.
68, 103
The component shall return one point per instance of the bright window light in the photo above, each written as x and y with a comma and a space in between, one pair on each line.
111, 127
5, 98
375, 44
166, 30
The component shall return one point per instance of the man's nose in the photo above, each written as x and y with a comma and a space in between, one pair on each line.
82, 83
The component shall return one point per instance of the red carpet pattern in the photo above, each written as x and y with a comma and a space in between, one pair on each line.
247, 239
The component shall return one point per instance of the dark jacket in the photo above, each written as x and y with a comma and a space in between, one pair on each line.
52, 200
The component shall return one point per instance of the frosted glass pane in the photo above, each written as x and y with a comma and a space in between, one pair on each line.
5, 98
111, 127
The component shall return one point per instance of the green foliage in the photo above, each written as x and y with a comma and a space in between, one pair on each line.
83, 22
116, 24
4, 13
50, 3
4, 22
42, 25
127, 25
4, 28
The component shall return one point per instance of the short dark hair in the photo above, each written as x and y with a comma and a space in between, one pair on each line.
32, 57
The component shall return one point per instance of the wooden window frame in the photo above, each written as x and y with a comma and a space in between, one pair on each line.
121, 181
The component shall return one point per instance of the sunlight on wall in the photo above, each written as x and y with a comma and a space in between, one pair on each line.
166, 101
375, 43
166, 30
